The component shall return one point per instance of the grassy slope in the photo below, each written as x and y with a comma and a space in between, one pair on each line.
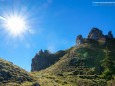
79, 67
12, 75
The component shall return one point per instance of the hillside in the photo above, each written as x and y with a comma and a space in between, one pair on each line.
82, 64
12, 75
78, 58
90, 62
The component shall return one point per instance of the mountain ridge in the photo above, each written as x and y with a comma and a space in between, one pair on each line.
82, 64
90, 62
95, 35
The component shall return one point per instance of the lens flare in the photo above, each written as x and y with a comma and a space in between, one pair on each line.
15, 25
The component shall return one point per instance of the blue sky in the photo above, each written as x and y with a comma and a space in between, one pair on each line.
53, 25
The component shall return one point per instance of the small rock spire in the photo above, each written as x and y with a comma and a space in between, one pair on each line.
79, 40
110, 35
41, 52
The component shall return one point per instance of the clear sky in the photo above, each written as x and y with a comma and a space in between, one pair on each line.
50, 24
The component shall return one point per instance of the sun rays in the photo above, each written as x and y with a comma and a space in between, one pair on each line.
15, 25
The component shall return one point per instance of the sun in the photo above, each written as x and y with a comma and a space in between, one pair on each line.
15, 25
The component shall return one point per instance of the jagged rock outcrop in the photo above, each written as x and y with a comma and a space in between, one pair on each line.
98, 35
79, 40
110, 35
45, 59
95, 34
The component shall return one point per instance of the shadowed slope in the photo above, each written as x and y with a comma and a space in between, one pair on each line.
12, 75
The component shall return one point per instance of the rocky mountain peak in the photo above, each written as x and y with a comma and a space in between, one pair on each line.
95, 34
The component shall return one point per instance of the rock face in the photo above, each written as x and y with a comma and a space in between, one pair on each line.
95, 34
45, 59
110, 35
79, 40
